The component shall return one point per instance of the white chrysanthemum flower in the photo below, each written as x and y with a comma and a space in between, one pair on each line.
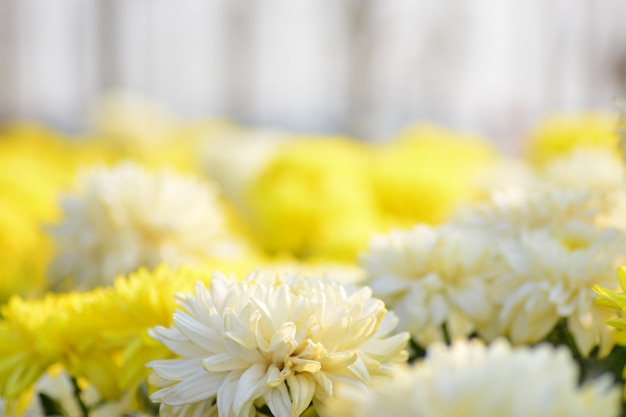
550, 278
280, 342
126, 217
604, 175
540, 206
471, 380
431, 276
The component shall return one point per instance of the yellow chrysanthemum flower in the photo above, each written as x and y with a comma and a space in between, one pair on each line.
560, 134
24, 253
313, 200
427, 172
100, 335
143, 300
57, 329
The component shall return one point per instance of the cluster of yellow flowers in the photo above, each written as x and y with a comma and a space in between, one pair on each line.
99, 336
360, 274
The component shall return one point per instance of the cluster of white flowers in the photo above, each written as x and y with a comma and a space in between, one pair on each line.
281, 342
471, 380
126, 217
515, 265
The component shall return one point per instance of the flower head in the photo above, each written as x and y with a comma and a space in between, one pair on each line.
471, 380
550, 276
126, 217
64, 329
281, 342
431, 276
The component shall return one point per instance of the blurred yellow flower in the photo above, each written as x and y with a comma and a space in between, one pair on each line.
143, 300
559, 134
426, 172
34, 164
57, 329
313, 200
99, 336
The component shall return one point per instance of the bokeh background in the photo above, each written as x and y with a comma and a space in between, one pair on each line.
364, 68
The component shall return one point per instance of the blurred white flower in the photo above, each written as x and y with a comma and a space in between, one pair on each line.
538, 206
430, 276
281, 342
235, 156
597, 171
587, 168
471, 380
549, 278
126, 217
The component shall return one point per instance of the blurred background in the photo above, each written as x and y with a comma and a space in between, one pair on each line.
364, 68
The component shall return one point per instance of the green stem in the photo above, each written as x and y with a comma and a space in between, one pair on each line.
446, 333
77, 391
416, 351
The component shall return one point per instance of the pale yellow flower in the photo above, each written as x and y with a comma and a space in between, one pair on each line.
587, 168
597, 171
550, 278
537, 206
134, 127
433, 276
281, 342
469, 379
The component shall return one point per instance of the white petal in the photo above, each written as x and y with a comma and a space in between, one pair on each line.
175, 369
278, 401
223, 362
249, 387
199, 387
198, 332
302, 389
226, 394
